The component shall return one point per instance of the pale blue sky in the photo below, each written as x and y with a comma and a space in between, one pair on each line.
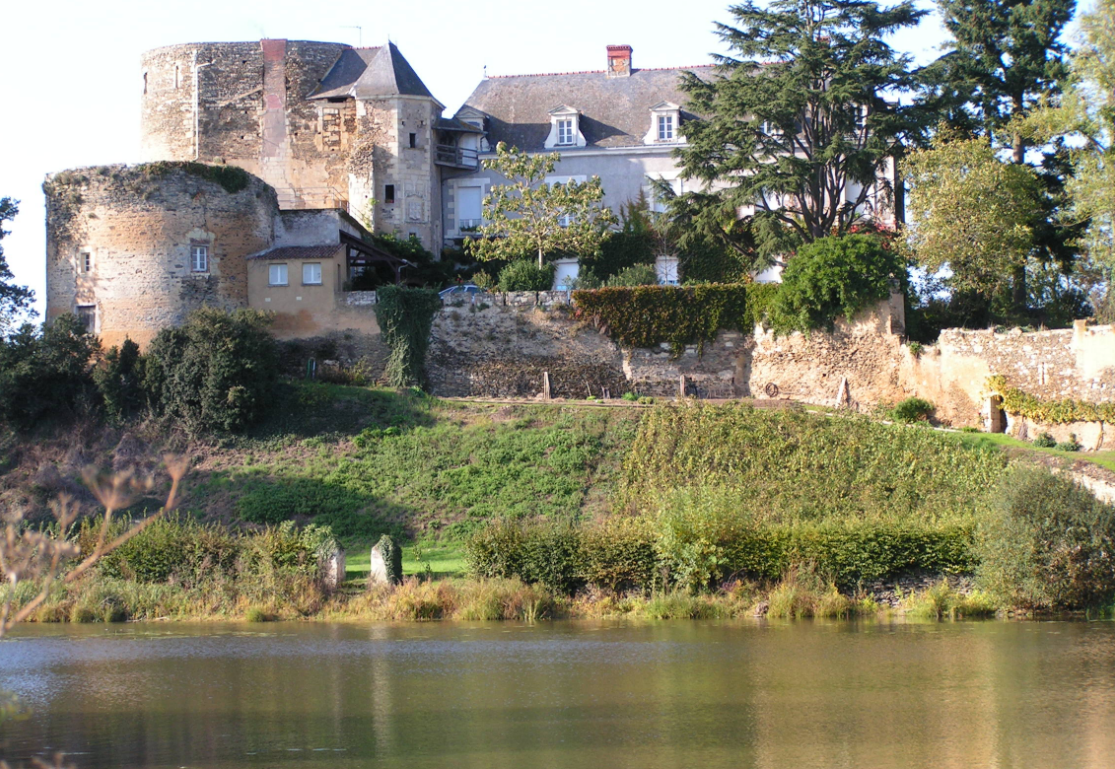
71, 75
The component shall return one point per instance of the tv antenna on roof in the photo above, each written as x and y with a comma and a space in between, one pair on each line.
359, 34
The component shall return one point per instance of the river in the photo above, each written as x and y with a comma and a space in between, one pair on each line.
567, 694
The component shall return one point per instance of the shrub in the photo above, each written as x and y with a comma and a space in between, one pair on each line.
637, 275
552, 557
831, 277
1045, 441
911, 410
1070, 445
405, 317
646, 316
618, 553
526, 275
47, 374
496, 550
218, 372
119, 381
1049, 543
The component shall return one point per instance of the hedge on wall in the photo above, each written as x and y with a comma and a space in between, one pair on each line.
1050, 412
646, 316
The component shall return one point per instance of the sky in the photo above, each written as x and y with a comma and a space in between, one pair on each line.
71, 80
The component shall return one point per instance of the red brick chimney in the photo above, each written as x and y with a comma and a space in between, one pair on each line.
619, 61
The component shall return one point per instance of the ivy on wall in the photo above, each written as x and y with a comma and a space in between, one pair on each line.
647, 316
1051, 412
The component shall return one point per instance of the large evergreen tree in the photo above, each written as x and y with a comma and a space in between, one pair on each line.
1007, 58
13, 299
797, 126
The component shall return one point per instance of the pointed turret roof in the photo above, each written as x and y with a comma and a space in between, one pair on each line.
368, 73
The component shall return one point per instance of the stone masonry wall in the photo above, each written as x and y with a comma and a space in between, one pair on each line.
501, 345
138, 226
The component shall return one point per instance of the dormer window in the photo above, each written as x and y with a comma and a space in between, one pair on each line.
665, 118
565, 128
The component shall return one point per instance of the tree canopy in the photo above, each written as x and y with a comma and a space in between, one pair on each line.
799, 125
13, 299
528, 217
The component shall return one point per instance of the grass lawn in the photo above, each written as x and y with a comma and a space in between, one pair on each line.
1105, 459
444, 560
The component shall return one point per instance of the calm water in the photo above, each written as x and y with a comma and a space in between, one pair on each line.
690, 694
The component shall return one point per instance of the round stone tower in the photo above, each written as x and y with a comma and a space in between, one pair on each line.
133, 249
247, 104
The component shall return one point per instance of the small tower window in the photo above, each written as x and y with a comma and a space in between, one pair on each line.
413, 141
389, 193
144, 83
86, 262
177, 76
199, 258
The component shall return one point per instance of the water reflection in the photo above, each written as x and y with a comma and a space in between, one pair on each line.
568, 695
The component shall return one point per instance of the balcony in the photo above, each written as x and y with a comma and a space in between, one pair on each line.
469, 225
456, 157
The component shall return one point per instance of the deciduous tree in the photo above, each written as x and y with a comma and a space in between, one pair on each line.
528, 217
13, 299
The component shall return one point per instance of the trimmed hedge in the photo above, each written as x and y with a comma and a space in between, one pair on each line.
646, 316
1055, 412
637, 554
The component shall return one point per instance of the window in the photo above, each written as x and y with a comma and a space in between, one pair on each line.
87, 314
276, 275
665, 128
470, 207
413, 141
565, 132
199, 258
389, 193
86, 262
311, 274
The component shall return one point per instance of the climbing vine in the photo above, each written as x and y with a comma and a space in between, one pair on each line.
405, 317
1052, 412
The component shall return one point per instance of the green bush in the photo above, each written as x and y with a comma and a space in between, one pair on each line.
646, 316
496, 550
1045, 441
638, 275
911, 410
47, 373
406, 316
834, 276
1049, 543
526, 275
552, 557
618, 553
1070, 445
119, 381
218, 372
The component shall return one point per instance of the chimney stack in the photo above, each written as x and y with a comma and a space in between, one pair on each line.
619, 61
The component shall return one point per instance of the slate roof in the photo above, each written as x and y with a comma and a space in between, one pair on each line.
365, 73
615, 111
295, 253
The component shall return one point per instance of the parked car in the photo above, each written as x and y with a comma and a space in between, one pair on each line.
465, 291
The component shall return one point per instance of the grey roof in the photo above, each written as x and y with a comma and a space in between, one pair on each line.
365, 73
615, 111
453, 124
299, 252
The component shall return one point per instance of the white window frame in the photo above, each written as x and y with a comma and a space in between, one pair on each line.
199, 257
565, 220
565, 132
86, 261
308, 269
667, 131
278, 275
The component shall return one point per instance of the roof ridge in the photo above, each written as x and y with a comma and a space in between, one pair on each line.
597, 71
